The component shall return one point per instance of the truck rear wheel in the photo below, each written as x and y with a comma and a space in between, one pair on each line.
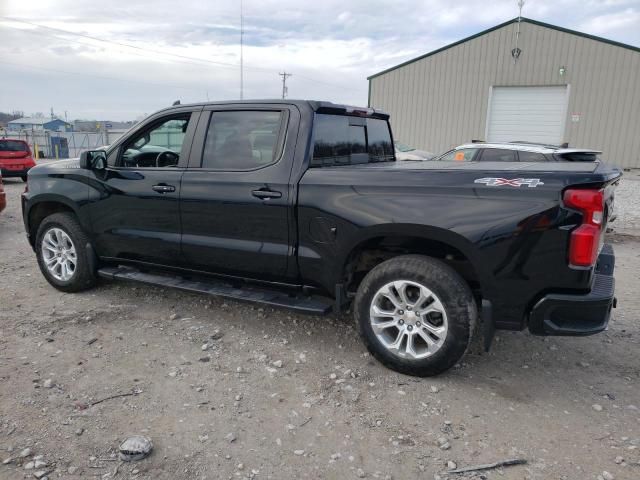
415, 314
63, 256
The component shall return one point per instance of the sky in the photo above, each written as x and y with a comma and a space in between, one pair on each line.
124, 59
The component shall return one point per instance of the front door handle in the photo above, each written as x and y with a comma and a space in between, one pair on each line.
164, 188
266, 194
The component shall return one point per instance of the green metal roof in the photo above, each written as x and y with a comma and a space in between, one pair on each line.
508, 22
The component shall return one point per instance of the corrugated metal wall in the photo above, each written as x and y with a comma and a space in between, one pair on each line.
441, 101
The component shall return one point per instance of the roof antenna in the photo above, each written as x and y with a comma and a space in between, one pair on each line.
177, 102
515, 53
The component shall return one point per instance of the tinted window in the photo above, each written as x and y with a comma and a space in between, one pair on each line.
339, 143
242, 140
579, 157
157, 146
462, 155
380, 146
498, 155
531, 157
12, 146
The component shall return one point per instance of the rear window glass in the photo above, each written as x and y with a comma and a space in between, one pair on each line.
498, 155
579, 157
343, 140
12, 146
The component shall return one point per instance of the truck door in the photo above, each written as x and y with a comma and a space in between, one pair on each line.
133, 202
236, 203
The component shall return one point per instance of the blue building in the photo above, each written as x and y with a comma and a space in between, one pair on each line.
33, 123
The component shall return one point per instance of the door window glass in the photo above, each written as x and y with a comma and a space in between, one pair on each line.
158, 146
498, 155
531, 157
242, 140
462, 155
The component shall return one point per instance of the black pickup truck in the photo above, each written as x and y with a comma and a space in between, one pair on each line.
301, 204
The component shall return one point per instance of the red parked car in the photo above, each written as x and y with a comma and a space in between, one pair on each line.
3, 196
15, 158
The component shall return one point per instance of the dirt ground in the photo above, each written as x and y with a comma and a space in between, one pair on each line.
279, 395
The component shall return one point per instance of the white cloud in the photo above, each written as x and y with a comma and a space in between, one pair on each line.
330, 47
609, 24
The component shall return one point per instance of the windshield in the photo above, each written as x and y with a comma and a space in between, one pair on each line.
401, 147
12, 146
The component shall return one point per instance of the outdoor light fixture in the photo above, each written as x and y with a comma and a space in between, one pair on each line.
562, 71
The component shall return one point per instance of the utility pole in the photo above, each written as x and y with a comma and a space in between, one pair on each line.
284, 76
241, 48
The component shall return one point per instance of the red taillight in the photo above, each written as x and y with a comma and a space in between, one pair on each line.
585, 240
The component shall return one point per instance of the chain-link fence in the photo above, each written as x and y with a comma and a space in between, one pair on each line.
51, 144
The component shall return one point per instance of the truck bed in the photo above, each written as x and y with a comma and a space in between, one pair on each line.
576, 167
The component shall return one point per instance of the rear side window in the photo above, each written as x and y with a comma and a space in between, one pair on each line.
343, 140
531, 157
242, 140
498, 155
12, 146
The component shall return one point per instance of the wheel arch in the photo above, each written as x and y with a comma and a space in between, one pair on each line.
377, 244
42, 208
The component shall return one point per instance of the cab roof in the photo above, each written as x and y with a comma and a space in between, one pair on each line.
318, 106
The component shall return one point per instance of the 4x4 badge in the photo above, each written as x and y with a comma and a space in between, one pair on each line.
514, 182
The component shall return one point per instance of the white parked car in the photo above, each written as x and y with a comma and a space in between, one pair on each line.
405, 152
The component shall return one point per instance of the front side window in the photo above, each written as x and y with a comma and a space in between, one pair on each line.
242, 140
462, 155
157, 147
403, 147
343, 140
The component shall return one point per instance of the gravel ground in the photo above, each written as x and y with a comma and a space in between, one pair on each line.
627, 204
231, 390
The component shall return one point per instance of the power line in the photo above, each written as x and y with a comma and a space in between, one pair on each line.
158, 52
241, 60
67, 72
127, 45
79, 42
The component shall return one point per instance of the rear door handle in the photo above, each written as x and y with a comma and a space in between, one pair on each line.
266, 194
164, 188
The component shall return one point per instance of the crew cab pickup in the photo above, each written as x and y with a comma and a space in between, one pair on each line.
301, 204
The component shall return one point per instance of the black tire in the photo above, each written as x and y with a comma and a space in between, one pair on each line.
24, 178
84, 276
454, 295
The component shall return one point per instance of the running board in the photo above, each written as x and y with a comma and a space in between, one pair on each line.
313, 304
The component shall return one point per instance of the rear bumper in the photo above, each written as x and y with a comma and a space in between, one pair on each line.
578, 315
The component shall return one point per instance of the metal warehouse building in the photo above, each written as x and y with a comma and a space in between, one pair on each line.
518, 81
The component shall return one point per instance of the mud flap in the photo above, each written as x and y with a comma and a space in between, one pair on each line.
488, 327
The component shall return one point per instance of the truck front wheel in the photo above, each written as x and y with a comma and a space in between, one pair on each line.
63, 256
415, 314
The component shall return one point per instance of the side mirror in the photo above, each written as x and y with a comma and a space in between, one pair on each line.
93, 160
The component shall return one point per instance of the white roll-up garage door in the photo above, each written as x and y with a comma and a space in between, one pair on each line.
531, 114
